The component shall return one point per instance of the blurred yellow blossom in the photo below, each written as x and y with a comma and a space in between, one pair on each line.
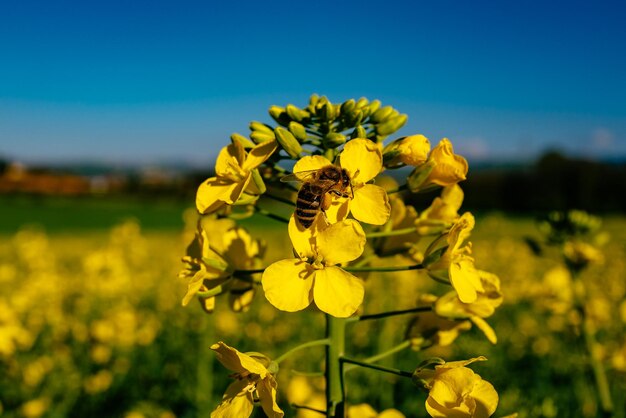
253, 381
442, 212
366, 411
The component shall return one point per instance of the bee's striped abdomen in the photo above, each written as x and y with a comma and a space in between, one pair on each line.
308, 204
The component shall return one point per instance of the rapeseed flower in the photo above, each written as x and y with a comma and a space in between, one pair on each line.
443, 168
455, 262
456, 391
410, 150
364, 410
219, 249
234, 170
442, 212
292, 284
362, 160
254, 374
450, 306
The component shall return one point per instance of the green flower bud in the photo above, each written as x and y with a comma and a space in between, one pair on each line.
391, 125
261, 127
242, 140
419, 175
358, 132
362, 102
288, 142
279, 115
258, 136
348, 106
327, 112
297, 114
297, 130
258, 180
334, 139
381, 114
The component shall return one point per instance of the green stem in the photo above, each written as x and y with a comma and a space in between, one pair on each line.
279, 198
271, 215
377, 367
390, 268
389, 313
393, 350
599, 372
308, 344
335, 394
308, 408
392, 233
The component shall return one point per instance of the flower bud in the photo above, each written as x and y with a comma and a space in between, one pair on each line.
334, 139
259, 137
288, 142
448, 168
391, 124
358, 132
260, 127
245, 142
381, 114
297, 130
348, 106
418, 177
409, 150
297, 114
279, 115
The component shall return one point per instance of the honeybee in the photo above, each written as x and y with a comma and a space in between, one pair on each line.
313, 196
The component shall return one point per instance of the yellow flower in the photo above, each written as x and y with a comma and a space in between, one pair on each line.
366, 411
580, 254
362, 160
456, 391
442, 212
443, 168
253, 381
456, 263
450, 306
409, 150
428, 329
234, 171
211, 262
291, 285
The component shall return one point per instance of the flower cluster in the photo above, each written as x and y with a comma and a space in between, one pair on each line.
345, 224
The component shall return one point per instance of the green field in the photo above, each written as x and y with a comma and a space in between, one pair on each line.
91, 322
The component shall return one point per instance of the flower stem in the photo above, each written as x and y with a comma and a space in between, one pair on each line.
335, 394
402, 346
389, 268
391, 233
271, 215
279, 199
591, 345
389, 313
308, 408
324, 341
377, 367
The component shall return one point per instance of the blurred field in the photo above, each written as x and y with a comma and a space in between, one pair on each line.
91, 322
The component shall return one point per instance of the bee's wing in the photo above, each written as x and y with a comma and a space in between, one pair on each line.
300, 176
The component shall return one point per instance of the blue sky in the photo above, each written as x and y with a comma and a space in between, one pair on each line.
149, 81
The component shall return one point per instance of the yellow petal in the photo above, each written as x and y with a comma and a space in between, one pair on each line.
229, 160
362, 410
338, 209
449, 168
302, 238
193, 286
337, 292
236, 361
465, 280
485, 328
267, 396
211, 193
259, 154
451, 386
371, 205
341, 242
362, 159
486, 399
310, 162
236, 403
287, 284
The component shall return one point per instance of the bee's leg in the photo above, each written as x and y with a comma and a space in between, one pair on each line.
340, 194
326, 201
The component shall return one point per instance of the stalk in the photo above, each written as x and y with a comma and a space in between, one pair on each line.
335, 393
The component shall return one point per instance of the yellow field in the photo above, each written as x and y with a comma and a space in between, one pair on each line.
91, 324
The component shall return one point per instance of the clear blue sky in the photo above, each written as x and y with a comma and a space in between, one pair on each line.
147, 81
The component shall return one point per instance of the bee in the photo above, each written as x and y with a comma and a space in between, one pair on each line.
313, 195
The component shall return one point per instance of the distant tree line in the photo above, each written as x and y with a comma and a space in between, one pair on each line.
554, 182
